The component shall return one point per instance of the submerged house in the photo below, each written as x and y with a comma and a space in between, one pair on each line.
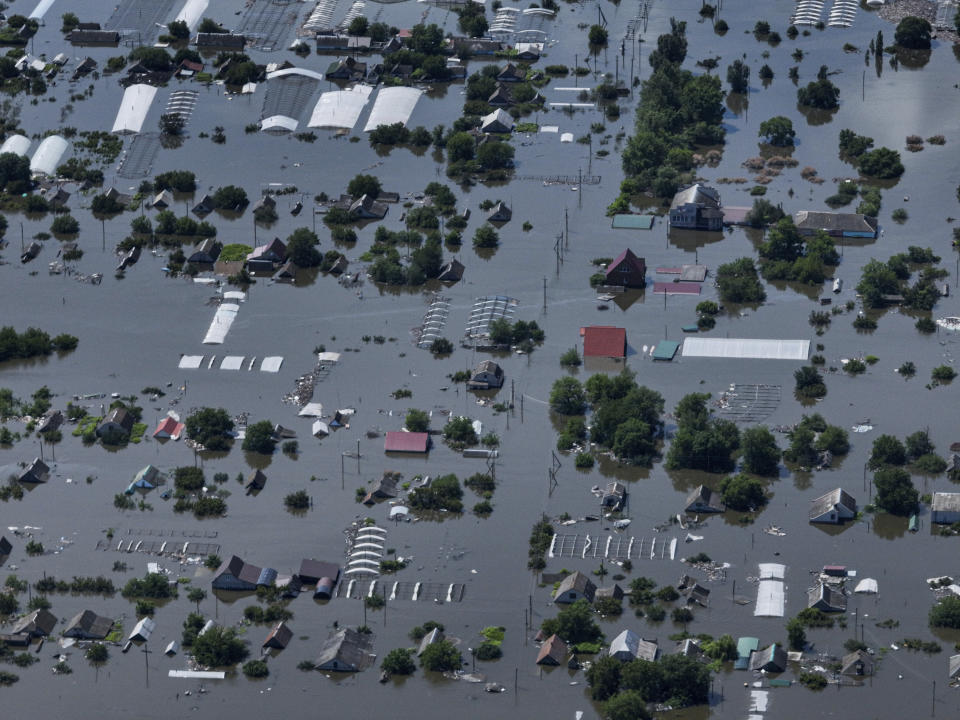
87, 625
857, 664
265, 257
486, 376
145, 479
142, 630
696, 208
162, 200
554, 651
614, 495
236, 574
628, 646
386, 487
5, 547
39, 623
501, 213
512, 73
345, 651
206, 252
772, 659
168, 429
945, 508
313, 571
278, 638
704, 500
573, 587
434, 636
451, 272
826, 598
117, 420
406, 442
36, 472
627, 271
496, 122
850, 225
366, 208
256, 481
834, 507
604, 341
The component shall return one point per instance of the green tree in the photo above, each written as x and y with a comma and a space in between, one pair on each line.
196, 595
809, 382
14, 171
761, 456
820, 94
209, 25
778, 130
724, 648
65, 225
738, 282
763, 213
230, 197
178, 29
172, 124
358, 26
597, 36
417, 420
784, 242
364, 185
919, 444
741, 492
495, 155
913, 33
219, 647
633, 440
210, 427
946, 613
260, 438
604, 678
485, 237
461, 147
426, 39
152, 58
399, 662
796, 634
567, 397
302, 250
895, 492
738, 75
441, 656
627, 705
887, 450
882, 163
702, 442
574, 624
833, 439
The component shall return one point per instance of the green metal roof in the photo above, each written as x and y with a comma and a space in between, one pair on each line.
665, 350
633, 222
747, 644
690, 328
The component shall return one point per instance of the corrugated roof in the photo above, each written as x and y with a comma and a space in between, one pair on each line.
398, 441
743, 348
604, 341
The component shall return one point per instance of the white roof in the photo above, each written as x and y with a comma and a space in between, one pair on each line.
746, 348
278, 123
393, 105
190, 362
271, 363
192, 12
220, 325
231, 362
566, 137
867, 585
198, 674
248, 88
18, 144
770, 599
498, 116
296, 71
313, 409
134, 108
341, 108
48, 155
398, 511
328, 357
549, 128
320, 428
41, 9
235, 295
774, 571
143, 629
627, 641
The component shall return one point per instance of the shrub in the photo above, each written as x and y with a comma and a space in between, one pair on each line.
399, 662
256, 669
943, 373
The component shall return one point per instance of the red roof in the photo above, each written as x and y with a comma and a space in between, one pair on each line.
677, 288
168, 427
604, 341
635, 264
414, 442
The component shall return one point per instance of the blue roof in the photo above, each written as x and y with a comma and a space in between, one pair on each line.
268, 576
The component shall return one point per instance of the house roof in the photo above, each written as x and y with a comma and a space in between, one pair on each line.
945, 502
825, 595
604, 341
347, 646
825, 503
399, 441
434, 636
90, 624
552, 652
627, 641
37, 471
705, 496
313, 570
697, 194
170, 427
851, 664
837, 222
576, 581
238, 568
636, 264
121, 417
451, 272
279, 636
954, 666
488, 366
39, 622
771, 659
512, 72
498, 117
256, 479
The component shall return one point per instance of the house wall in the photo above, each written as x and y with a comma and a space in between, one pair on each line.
945, 517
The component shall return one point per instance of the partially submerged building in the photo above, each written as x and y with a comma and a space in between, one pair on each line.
345, 651
406, 442
168, 429
236, 574
697, 208
826, 598
945, 508
554, 651
36, 472
704, 500
278, 638
604, 341
628, 646
626, 271
313, 571
857, 664
117, 420
450, 272
39, 623
575, 586
849, 225
206, 253
772, 659
833, 507
614, 496
87, 625
434, 636
487, 375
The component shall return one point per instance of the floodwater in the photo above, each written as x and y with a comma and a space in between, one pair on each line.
133, 331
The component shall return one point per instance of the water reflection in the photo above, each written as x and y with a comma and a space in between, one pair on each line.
888, 527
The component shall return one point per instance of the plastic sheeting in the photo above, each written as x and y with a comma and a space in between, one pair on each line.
190, 362
770, 599
746, 348
18, 144
393, 105
47, 157
867, 585
341, 108
278, 123
192, 12
220, 326
232, 362
41, 9
134, 108
271, 364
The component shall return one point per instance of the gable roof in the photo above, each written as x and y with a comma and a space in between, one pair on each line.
604, 341
346, 650
859, 662
121, 417
399, 441
824, 597
697, 194
36, 472
552, 652
313, 570
825, 503
279, 636
39, 622
576, 581
238, 568
836, 222
169, 426
87, 624
771, 659
636, 264
703, 499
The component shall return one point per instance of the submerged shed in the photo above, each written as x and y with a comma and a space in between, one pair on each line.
279, 637
553, 651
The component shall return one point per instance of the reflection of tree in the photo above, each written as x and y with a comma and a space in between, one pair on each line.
816, 116
738, 103
913, 59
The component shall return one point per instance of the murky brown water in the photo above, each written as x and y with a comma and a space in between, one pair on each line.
133, 331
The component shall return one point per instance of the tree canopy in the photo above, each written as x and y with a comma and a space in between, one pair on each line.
778, 130
702, 442
895, 491
210, 427
574, 624
913, 33
738, 282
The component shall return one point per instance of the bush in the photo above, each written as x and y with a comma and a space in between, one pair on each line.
441, 346
488, 651
440, 656
298, 500
65, 225
256, 669
584, 461
399, 662
219, 647
259, 438
943, 373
